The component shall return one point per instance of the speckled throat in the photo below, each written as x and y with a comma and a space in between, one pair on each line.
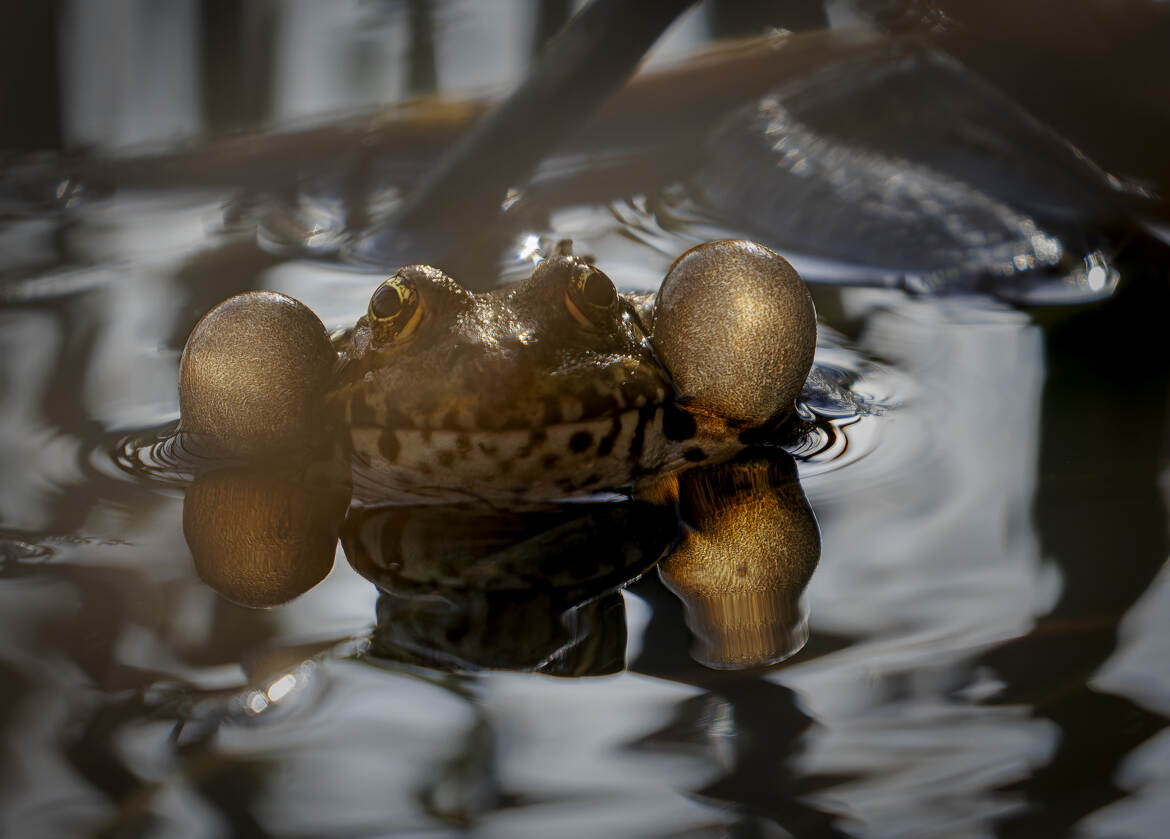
564, 459
542, 445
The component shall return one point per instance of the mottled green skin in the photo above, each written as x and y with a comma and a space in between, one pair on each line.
510, 358
507, 393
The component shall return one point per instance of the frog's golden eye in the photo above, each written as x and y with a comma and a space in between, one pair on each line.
590, 296
395, 311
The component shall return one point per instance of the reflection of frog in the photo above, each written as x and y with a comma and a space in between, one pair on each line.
468, 586
551, 386
465, 588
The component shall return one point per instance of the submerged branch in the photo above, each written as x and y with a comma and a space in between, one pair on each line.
593, 56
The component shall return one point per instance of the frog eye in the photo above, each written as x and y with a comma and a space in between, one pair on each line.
394, 312
590, 296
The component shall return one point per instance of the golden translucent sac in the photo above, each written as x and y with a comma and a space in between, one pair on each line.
254, 373
261, 538
735, 325
741, 569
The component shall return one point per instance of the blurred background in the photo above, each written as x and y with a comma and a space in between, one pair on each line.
109, 74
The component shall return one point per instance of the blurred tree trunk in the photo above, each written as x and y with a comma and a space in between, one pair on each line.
237, 51
30, 97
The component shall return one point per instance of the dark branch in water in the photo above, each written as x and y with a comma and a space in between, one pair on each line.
588, 60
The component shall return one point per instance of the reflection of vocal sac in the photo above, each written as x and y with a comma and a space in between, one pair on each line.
261, 537
742, 566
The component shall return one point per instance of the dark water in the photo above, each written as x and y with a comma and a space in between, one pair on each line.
982, 491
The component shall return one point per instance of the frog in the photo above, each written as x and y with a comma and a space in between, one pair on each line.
504, 405
555, 386
547, 386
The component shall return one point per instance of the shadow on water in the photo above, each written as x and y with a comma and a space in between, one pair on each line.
1101, 519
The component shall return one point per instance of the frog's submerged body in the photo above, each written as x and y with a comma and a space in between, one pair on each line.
547, 387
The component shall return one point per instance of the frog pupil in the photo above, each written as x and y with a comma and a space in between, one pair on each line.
597, 290
387, 303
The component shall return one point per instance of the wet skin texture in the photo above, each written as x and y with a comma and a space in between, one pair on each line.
549, 385
552, 386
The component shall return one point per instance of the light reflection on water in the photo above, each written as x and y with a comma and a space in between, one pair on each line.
134, 697
941, 560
